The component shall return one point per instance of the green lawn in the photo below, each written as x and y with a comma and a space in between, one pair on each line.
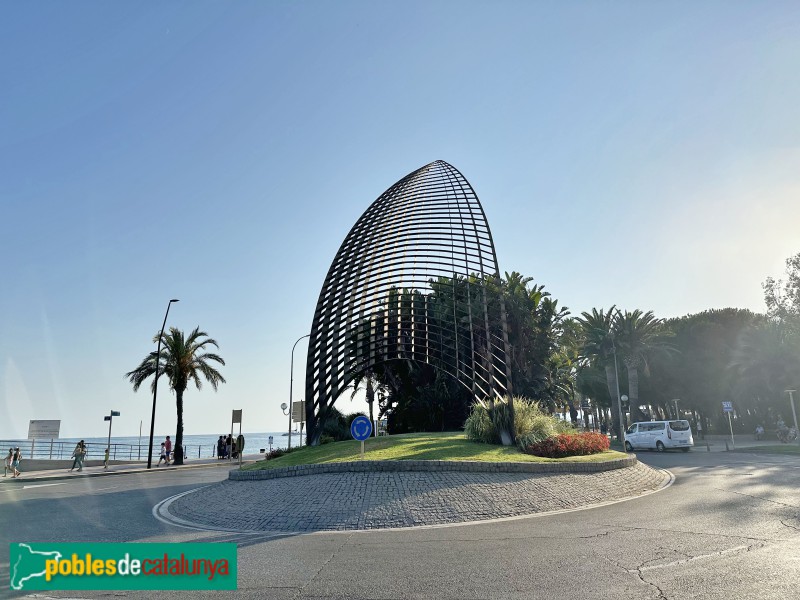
415, 446
777, 449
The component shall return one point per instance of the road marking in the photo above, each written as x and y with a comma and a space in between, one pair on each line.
683, 561
38, 485
105, 488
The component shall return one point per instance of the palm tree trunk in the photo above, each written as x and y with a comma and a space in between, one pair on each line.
611, 381
370, 400
179, 433
633, 393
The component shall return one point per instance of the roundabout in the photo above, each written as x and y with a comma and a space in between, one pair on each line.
380, 499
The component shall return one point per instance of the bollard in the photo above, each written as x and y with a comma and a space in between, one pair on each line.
726, 446
708, 447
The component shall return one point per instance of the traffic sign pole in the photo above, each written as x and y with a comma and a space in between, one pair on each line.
728, 408
361, 429
110, 419
733, 442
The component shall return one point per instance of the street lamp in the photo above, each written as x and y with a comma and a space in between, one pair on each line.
620, 434
155, 387
283, 408
291, 382
676, 400
110, 419
794, 414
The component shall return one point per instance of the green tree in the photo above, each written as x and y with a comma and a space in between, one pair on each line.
597, 332
767, 356
183, 360
638, 336
783, 297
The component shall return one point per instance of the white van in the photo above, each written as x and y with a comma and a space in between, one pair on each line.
659, 435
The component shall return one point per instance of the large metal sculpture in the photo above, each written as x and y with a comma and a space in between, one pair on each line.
382, 299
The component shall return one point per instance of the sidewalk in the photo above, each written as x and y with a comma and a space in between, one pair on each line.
123, 469
722, 443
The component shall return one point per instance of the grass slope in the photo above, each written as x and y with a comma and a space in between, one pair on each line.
415, 446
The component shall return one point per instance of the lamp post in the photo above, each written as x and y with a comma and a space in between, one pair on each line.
291, 382
283, 408
155, 387
794, 414
676, 400
110, 419
620, 434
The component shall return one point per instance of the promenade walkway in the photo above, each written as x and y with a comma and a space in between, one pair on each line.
94, 470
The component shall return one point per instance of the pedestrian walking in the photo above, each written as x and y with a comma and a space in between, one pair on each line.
7, 461
78, 455
700, 431
163, 455
220, 447
168, 448
15, 463
105, 460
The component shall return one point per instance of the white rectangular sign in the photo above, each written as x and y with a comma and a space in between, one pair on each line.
43, 430
298, 411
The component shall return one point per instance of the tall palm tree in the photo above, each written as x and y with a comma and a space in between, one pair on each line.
183, 360
597, 329
638, 335
372, 383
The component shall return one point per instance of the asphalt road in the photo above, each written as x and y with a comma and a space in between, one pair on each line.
729, 527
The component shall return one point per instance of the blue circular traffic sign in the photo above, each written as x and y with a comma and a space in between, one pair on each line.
361, 428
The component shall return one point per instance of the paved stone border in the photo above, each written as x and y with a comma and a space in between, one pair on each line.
354, 501
383, 466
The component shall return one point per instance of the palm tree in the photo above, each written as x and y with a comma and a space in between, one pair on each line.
372, 384
638, 335
183, 360
597, 329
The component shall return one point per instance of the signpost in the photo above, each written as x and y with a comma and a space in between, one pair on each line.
728, 408
361, 429
299, 416
39, 429
270, 444
110, 419
794, 414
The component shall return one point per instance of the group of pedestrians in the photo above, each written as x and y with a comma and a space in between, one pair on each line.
226, 447
78, 455
11, 462
166, 452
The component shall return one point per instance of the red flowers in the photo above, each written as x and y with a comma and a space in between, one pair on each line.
569, 444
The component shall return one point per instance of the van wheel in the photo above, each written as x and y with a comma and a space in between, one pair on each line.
628, 447
660, 446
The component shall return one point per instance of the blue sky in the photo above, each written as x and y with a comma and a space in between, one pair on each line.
638, 154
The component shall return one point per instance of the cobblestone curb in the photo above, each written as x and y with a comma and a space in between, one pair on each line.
383, 466
364, 500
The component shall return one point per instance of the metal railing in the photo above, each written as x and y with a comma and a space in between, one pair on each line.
60, 450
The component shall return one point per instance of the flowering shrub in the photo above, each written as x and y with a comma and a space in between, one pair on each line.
569, 444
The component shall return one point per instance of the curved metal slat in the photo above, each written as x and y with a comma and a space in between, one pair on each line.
428, 225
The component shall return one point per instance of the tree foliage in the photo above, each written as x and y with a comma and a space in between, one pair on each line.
183, 360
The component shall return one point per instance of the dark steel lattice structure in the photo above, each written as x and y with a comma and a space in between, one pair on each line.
377, 294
